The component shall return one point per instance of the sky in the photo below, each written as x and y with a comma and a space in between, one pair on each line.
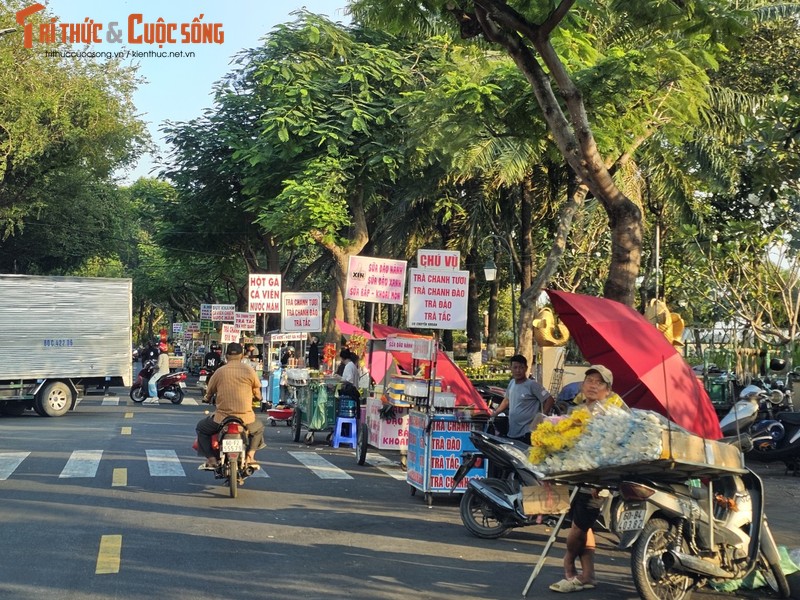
179, 89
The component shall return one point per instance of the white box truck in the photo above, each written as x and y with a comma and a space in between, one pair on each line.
60, 336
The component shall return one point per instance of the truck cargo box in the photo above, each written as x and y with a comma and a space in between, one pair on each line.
69, 328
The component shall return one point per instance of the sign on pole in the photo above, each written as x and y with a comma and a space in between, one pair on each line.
375, 280
264, 292
223, 312
302, 311
437, 299
230, 333
448, 260
205, 312
244, 321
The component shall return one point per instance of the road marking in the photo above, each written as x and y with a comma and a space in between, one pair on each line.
319, 466
82, 463
108, 555
164, 463
388, 466
110, 401
260, 473
128, 415
126, 430
9, 461
119, 478
187, 400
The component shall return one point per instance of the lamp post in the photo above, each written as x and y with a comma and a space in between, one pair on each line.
490, 272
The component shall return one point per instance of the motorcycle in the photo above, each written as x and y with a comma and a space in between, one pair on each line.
777, 439
492, 506
230, 446
170, 386
683, 534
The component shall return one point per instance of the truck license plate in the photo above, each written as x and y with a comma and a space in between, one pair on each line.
631, 520
232, 445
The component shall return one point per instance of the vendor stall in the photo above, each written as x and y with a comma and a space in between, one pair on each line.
439, 405
315, 409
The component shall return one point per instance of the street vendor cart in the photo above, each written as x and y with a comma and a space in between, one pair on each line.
441, 407
315, 409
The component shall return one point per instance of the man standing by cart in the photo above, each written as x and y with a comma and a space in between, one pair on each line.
525, 398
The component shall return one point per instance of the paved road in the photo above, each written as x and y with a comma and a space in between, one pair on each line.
117, 479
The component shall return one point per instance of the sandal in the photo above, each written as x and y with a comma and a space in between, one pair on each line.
567, 586
207, 467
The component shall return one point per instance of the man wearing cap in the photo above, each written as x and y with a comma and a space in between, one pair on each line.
235, 384
596, 396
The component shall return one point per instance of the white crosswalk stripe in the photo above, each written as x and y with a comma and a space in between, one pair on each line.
110, 401
82, 463
9, 461
164, 463
388, 466
319, 466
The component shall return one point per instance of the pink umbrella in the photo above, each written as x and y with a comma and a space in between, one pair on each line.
648, 371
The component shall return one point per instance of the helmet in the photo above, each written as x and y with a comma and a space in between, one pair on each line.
777, 364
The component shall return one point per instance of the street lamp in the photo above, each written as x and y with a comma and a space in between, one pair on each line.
490, 272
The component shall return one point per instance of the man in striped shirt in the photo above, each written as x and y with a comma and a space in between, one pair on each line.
235, 385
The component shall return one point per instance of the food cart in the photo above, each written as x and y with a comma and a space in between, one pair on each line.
439, 405
315, 408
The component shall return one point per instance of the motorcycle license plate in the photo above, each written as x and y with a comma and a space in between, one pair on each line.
182, 384
232, 445
202, 378
631, 520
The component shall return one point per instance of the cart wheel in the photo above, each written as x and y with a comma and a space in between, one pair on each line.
429, 499
361, 444
296, 426
310, 438
272, 422
329, 437
413, 490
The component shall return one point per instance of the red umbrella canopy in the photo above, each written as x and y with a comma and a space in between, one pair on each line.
648, 371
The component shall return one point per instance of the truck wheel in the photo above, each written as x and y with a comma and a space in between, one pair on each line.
54, 400
12, 409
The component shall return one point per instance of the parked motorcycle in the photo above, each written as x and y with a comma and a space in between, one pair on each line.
492, 506
683, 535
169, 386
777, 439
230, 447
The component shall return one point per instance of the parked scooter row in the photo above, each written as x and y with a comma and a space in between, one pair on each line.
766, 416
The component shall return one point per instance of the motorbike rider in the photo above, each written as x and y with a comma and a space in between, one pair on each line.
595, 395
162, 368
213, 358
235, 384
525, 398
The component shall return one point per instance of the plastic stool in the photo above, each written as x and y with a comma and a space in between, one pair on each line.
352, 434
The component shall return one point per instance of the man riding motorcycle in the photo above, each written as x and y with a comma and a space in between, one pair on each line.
234, 384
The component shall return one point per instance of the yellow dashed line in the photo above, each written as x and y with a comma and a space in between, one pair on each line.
119, 478
108, 555
128, 415
126, 431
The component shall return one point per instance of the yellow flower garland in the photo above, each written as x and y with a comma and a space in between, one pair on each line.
550, 437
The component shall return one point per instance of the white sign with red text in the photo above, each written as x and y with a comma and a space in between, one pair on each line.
230, 333
449, 260
223, 312
245, 321
264, 293
302, 311
437, 299
376, 280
